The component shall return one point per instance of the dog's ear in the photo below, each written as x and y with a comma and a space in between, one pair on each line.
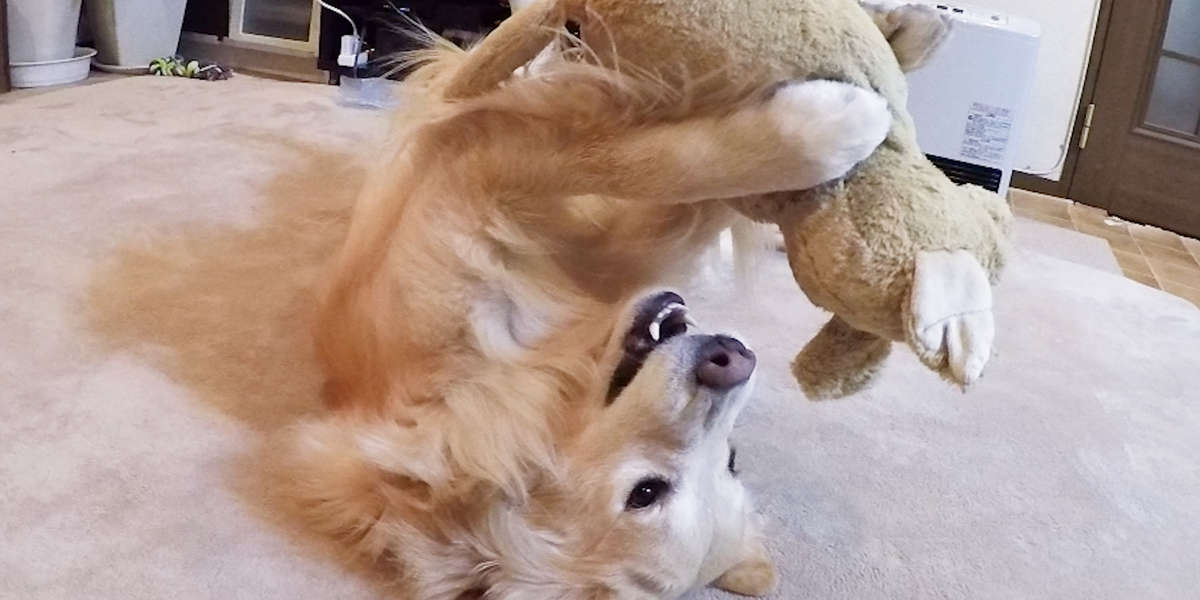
914, 31
514, 43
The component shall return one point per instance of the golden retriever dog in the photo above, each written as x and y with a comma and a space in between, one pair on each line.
511, 416
641, 501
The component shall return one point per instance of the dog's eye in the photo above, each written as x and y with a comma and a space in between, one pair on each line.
646, 493
732, 460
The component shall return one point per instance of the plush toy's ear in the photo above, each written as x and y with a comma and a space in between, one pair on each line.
913, 30
515, 42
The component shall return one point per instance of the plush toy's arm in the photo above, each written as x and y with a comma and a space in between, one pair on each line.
840, 360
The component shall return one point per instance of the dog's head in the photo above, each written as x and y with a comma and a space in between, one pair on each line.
649, 504
640, 498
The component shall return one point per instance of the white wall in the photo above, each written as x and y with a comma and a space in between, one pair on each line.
1067, 30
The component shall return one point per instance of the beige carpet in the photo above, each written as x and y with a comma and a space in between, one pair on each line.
128, 426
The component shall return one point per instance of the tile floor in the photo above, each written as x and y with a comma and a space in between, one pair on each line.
1149, 255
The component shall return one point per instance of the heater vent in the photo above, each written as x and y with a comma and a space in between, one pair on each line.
963, 172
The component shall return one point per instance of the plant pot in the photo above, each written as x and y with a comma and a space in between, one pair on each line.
53, 72
131, 33
42, 30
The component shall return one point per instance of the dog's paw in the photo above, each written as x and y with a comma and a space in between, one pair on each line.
834, 126
755, 577
950, 325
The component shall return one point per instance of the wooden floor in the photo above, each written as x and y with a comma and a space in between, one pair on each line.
1148, 255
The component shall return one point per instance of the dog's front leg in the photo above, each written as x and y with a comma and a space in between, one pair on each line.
805, 134
753, 575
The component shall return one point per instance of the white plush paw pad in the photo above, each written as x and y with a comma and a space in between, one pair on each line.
839, 124
951, 312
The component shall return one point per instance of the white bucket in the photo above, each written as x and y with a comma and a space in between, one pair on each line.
131, 33
42, 30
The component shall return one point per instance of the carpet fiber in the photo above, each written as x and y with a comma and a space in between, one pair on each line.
140, 370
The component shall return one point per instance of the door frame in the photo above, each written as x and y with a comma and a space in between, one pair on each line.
1062, 187
1163, 164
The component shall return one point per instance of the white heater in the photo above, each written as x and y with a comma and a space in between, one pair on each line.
970, 98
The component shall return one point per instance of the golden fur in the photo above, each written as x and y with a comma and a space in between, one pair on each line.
471, 320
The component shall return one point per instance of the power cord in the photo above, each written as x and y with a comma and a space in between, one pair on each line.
353, 54
338, 11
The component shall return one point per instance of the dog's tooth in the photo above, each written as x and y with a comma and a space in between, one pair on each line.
668, 310
656, 324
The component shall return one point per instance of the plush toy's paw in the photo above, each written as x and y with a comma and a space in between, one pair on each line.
839, 361
950, 323
753, 576
913, 30
832, 125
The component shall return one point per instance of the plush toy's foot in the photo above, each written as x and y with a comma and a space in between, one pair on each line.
949, 320
754, 576
839, 361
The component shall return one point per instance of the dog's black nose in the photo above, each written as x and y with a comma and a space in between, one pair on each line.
724, 363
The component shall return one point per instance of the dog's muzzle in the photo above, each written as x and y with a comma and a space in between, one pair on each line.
722, 362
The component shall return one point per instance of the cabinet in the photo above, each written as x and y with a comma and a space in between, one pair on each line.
380, 22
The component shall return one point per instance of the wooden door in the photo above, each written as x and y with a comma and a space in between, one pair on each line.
1142, 155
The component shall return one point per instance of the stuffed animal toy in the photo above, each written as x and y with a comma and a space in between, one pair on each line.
895, 250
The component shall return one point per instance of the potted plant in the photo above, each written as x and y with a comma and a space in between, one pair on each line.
131, 33
41, 42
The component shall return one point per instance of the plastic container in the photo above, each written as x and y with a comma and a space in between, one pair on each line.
42, 31
368, 92
52, 72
